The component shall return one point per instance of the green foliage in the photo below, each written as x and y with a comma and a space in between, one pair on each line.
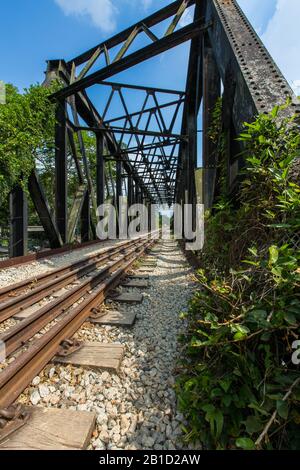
244, 318
27, 141
26, 134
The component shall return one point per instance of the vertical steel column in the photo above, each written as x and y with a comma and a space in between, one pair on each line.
136, 193
186, 192
191, 153
118, 181
130, 195
119, 168
192, 158
130, 191
141, 196
193, 103
18, 222
149, 206
85, 219
61, 194
227, 124
211, 93
100, 170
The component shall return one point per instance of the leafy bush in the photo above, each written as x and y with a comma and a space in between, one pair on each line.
238, 386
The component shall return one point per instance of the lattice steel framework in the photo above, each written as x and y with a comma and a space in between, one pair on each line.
152, 162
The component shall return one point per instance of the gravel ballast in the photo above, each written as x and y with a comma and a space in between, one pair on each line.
137, 408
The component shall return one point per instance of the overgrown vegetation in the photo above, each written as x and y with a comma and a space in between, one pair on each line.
27, 141
27, 123
239, 387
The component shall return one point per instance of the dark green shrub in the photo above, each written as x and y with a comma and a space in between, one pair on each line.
238, 386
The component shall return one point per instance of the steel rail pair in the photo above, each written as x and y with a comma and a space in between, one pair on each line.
18, 297
19, 374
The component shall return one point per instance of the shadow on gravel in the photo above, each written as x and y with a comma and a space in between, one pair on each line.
156, 354
171, 261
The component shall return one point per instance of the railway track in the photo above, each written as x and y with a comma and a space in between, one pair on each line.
26, 293
95, 277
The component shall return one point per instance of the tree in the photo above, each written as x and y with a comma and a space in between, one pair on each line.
27, 123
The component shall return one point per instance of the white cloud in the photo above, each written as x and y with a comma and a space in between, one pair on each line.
101, 12
282, 39
146, 4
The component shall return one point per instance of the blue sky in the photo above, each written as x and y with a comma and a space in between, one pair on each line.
35, 30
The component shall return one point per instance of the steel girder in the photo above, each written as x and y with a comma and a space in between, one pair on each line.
150, 159
163, 137
231, 52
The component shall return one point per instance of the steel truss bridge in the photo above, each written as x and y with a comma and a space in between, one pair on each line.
152, 158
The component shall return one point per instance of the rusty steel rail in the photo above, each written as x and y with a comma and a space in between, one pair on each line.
17, 336
45, 289
7, 292
19, 374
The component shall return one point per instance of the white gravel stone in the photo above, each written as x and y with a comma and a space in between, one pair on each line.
148, 442
104, 436
44, 391
35, 397
99, 445
36, 381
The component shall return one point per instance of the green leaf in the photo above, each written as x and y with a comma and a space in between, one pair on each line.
245, 443
254, 406
253, 424
225, 384
259, 317
253, 251
208, 408
239, 336
262, 139
273, 251
252, 263
266, 337
290, 318
282, 409
274, 112
258, 314
219, 418
227, 400
216, 392
241, 332
245, 136
215, 418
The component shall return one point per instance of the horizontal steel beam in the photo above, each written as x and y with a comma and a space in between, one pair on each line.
175, 39
145, 111
142, 148
119, 130
147, 89
150, 21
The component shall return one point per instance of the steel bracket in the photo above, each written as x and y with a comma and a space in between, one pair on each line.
12, 419
68, 347
97, 313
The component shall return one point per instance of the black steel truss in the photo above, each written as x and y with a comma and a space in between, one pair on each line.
142, 153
